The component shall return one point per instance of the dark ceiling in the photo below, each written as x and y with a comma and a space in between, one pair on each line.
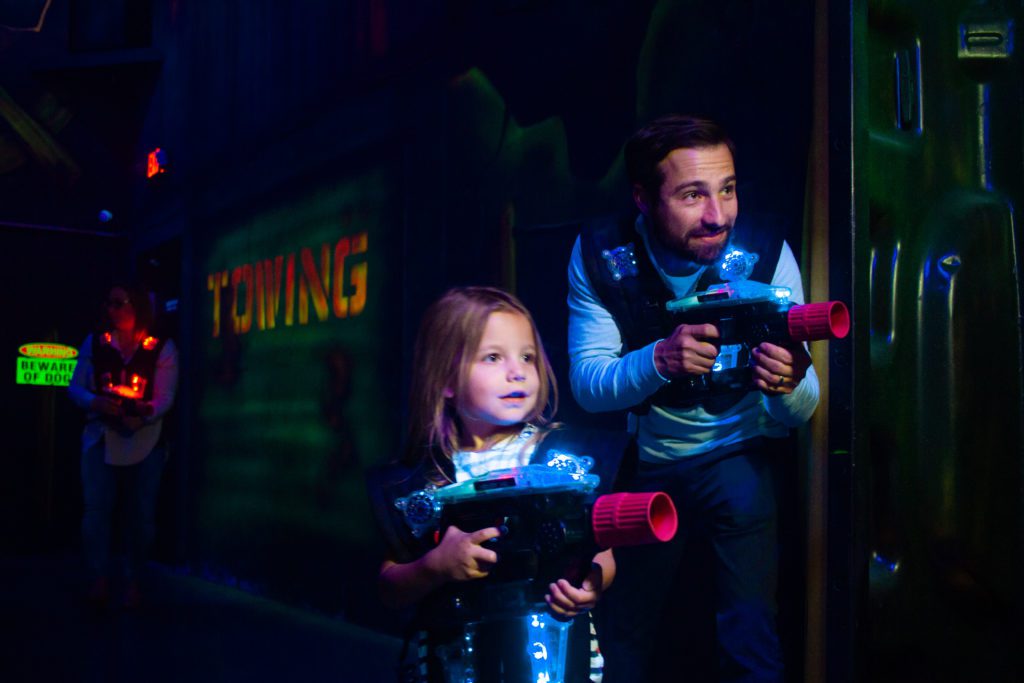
75, 79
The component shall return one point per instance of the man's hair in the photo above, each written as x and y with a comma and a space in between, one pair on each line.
446, 344
646, 148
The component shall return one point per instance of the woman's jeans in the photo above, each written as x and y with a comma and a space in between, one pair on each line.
137, 486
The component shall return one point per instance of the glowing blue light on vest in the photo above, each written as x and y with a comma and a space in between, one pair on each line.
548, 641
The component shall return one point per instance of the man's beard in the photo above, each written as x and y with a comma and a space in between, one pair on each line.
702, 254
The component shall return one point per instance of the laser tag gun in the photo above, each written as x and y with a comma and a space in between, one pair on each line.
746, 313
552, 524
129, 396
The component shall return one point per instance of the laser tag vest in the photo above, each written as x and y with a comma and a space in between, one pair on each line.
497, 641
109, 369
636, 300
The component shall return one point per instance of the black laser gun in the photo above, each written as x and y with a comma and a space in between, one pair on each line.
746, 314
552, 525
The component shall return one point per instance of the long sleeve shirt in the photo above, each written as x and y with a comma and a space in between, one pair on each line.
604, 375
121, 448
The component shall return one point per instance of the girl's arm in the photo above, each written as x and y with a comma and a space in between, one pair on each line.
566, 601
458, 557
606, 560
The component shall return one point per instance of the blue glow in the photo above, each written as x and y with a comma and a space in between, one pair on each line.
891, 566
546, 650
947, 265
548, 641
728, 357
737, 265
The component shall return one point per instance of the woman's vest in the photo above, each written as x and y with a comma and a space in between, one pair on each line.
132, 380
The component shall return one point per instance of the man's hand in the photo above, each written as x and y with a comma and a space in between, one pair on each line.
687, 351
778, 369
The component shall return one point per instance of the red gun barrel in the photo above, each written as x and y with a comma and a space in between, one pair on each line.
813, 322
633, 519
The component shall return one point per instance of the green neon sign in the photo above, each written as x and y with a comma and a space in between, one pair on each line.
46, 364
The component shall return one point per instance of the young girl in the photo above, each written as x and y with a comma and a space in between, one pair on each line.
481, 393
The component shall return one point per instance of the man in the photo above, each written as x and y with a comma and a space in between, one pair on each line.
715, 456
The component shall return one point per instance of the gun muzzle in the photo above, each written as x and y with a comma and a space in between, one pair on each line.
633, 519
817, 321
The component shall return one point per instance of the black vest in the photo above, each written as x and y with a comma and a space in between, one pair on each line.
498, 640
110, 370
637, 302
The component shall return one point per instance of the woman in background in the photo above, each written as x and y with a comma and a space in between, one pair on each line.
125, 380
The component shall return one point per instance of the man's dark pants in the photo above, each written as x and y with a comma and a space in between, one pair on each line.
726, 503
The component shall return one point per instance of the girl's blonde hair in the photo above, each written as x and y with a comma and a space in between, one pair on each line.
447, 341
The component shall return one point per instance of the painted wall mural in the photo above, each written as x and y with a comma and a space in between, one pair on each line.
303, 307
296, 384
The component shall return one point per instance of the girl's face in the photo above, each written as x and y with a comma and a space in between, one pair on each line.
501, 390
119, 308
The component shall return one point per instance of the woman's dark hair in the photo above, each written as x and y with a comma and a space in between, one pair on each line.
648, 146
141, 303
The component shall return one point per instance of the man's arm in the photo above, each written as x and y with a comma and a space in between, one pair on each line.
602, 377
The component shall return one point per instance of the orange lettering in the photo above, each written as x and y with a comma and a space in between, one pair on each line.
340, 301
215, 282
272, 289
289, 292
243, 322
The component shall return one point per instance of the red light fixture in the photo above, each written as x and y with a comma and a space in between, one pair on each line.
156, 163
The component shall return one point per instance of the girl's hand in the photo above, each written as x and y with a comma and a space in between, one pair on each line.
460, 555
567, 601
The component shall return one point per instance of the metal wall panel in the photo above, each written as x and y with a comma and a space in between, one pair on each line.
944, 187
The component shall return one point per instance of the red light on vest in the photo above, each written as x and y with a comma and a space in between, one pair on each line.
156, 163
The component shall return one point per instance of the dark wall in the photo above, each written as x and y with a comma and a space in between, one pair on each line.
53, 284
490, 121
942, 190
496, 119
